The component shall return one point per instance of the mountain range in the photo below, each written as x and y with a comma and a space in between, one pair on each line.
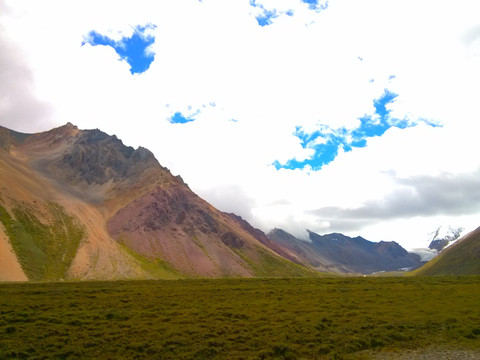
340, 253
79, 204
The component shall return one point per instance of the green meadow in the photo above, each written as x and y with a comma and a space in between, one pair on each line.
321, 318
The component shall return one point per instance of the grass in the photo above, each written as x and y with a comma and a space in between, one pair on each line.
45, 251
265, 264
157, 268
322, 318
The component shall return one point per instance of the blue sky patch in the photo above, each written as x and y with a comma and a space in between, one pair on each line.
134, 49
267, 17
327, 142
179, 118
316, 4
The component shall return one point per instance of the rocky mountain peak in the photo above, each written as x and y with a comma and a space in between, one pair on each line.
65, 131
51, 139
68, 129
96, 157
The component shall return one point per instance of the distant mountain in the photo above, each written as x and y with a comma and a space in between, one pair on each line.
79, 204
305, 252
340, 253
461, 258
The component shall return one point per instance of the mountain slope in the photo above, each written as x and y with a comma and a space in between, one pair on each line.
265, 240
79, 204
26, 196
462, 258
340, 253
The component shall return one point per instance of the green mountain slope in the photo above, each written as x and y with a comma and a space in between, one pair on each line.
462, 258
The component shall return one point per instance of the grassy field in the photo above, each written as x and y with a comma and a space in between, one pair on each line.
323, 318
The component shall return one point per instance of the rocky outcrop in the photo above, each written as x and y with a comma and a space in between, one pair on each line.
96, 158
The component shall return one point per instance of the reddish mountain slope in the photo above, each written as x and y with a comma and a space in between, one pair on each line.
115, 212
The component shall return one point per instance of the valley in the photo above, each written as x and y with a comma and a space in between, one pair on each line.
243, 180
327, 318
118, 258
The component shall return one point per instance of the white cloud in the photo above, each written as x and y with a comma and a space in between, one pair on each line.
310, 69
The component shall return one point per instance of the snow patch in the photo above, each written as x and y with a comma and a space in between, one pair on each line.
425, 253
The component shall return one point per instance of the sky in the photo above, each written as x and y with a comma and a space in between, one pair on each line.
359, 117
